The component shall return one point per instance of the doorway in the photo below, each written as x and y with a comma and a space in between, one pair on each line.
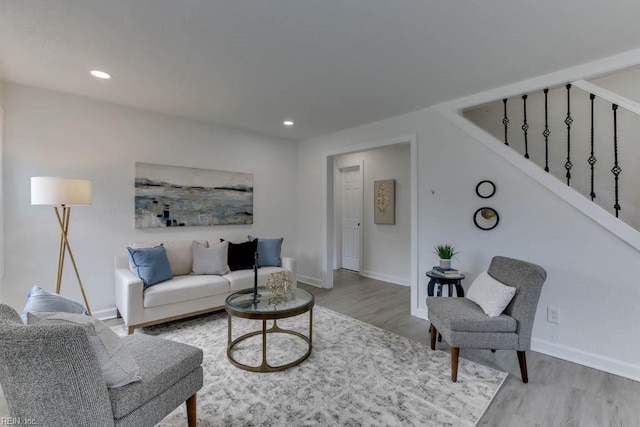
331, 219
351, 217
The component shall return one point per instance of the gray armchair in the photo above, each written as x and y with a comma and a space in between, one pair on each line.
50, 376
463, 324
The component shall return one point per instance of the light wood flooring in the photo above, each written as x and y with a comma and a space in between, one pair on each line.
559, 393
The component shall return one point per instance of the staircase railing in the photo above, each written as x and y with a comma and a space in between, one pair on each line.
568, 133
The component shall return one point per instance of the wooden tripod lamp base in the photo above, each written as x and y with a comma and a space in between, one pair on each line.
61, 193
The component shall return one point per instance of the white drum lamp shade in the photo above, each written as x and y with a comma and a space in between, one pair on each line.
60, 191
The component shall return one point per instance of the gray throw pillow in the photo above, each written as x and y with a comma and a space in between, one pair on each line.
39, 300
118, 365
211, 260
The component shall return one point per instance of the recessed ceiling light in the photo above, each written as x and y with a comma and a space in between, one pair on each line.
100, 74
288, 123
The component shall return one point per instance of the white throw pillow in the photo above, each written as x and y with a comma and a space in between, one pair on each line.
211, 260
118, 365
178, 252
492, 296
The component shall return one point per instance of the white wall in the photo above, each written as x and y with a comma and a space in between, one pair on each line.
597, 302
1, 189
386, 251
53, 134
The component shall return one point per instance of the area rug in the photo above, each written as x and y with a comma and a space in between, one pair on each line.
356, 375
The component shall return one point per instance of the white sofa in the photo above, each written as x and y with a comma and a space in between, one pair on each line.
185, 294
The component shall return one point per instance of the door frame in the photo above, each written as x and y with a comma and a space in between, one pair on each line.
329, 222
337, 260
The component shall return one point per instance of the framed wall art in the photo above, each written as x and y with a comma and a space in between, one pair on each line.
174, 196
384, 201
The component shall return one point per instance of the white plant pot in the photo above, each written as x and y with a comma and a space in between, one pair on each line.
445, 263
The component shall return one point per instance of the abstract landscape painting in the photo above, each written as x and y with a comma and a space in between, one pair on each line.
173, 196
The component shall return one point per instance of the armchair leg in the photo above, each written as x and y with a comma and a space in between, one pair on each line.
455, 353
130, 330
522, 358
191, 411
433, 331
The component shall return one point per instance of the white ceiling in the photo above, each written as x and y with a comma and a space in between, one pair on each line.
327, 64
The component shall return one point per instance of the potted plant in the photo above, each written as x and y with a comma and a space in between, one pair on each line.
445, 253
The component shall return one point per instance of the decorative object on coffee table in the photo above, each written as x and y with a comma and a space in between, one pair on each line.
61, 193
256, 295
279, 284
445, 252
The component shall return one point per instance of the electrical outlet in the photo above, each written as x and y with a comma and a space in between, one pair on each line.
553, 315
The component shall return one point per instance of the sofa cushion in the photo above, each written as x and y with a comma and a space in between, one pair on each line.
463, 315
184, 288
179, 253
242, 255
39, 300
150, 264
118, 366
243, 279
269, 251
211, 260
162, 364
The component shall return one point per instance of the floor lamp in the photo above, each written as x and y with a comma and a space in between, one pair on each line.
61, 193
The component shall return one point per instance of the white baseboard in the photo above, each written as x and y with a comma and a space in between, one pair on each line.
106, 314
420, 313
311, 281
385, 278
602, 363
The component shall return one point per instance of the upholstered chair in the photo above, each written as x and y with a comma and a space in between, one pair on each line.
51, 376
463, 324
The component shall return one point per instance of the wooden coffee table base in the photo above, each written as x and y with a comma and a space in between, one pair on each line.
275, 329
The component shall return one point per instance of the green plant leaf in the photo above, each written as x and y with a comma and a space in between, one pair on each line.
445, 251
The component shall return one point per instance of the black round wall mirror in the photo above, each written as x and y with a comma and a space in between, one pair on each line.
486, 218
485, 189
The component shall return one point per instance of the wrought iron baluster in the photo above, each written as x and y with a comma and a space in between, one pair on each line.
505, 121
546, 132
525, 127
592, 159
568, 165
616, 168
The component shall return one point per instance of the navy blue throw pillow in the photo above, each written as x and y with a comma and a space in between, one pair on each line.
241, 255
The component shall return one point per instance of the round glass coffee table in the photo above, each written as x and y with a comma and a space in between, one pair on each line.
265, 308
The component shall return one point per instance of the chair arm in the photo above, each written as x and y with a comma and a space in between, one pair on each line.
291, 265
128, 294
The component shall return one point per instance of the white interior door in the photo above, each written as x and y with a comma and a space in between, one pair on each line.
351, 203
